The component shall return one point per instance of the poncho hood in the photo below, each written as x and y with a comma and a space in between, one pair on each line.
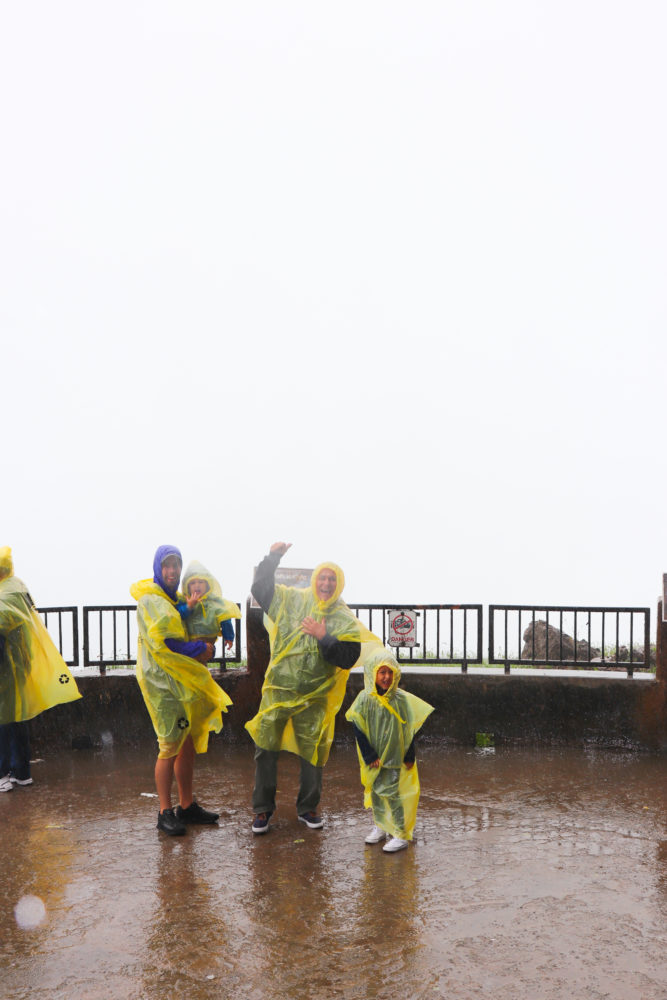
6, 562
197, 571
381, 658
340, 583
160, 556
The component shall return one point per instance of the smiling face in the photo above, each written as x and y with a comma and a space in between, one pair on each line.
384, 677
197, 588
171, 571
325, 584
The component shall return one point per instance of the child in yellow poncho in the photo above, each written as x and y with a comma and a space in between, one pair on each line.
205, 612
386, 720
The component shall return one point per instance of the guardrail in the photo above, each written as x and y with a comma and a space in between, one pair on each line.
555, 636
447, 633
110, 638
67, 641
597, 640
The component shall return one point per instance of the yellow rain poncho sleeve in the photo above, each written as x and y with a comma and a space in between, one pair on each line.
211, 610
389, 722
33, 674
181, 696
302, 692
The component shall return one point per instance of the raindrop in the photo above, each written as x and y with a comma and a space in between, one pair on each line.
29, 912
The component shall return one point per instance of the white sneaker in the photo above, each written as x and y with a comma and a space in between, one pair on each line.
375, 836
395, 844
19, 781
5, 784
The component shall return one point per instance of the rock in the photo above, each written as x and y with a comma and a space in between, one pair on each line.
561, 645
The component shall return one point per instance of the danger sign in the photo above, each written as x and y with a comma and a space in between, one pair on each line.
402, 628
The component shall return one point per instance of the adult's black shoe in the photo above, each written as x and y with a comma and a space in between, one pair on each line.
170, 824
195, 814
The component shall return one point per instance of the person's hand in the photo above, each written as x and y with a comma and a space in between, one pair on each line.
207, 653
192, 600
317, 629
409, 764
228, 644
375, 763
280, 547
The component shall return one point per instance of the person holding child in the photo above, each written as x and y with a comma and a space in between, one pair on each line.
386, 720
205, 612
315, 640
184, 702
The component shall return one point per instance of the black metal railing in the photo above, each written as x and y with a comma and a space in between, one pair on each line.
67, 638
569, 637
446, 633
110, 638
552, 636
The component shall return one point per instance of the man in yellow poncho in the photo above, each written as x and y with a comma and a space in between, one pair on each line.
386, 720
315, 640
183, 700
33, 674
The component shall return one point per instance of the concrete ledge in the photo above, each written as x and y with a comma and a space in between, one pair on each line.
520, 709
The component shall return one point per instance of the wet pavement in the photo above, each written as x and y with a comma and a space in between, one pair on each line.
535, 874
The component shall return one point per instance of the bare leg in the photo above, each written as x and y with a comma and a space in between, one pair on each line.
183, 771
164, 776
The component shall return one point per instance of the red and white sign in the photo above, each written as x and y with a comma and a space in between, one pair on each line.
402, 627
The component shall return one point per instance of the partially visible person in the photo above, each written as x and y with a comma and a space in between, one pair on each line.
386, 720
33, 675
184, 702
315, 640
205, 611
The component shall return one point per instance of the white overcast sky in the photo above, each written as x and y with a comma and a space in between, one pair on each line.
384, 280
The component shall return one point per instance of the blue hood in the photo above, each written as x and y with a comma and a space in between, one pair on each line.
160, 556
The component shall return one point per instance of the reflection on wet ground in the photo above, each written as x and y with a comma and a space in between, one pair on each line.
534, 874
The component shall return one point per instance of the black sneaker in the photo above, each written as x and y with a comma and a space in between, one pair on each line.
260, 824
195, 814
312, 820
170, 824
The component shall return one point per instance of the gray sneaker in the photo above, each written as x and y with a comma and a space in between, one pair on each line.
394, 844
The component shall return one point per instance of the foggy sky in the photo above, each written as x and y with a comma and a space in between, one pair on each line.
384, 281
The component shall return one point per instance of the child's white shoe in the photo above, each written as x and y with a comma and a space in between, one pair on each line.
395, 844
375, 836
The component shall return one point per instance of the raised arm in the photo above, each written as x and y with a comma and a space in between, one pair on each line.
264, 583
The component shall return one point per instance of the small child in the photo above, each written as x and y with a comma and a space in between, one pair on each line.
205, 612
385, 721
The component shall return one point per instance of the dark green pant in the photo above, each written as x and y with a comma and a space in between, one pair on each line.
266, 781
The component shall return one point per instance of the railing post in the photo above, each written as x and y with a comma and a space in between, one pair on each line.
661, 647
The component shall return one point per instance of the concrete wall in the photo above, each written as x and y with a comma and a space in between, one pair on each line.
516, 709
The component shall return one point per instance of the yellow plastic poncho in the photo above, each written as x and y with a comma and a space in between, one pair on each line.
181, 696
389, 723
33, 674
302, 692
211, 610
